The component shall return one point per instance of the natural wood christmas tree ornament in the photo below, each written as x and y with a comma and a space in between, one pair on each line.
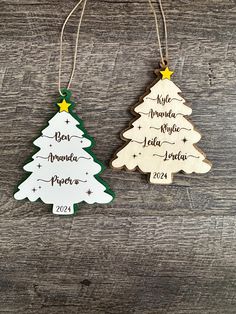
161, 141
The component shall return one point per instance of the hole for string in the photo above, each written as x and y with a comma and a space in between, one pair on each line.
164, 63
65, 93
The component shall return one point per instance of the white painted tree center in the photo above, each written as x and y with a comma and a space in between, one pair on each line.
63, 171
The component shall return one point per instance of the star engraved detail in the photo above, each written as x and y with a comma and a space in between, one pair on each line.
184, 140
135, 156
67, 121
39, 166
34, 190
89, 192
139, 127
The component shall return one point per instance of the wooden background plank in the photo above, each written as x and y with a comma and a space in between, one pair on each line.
156, 249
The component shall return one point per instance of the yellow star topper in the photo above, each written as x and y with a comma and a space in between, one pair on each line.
166, 74
64, 106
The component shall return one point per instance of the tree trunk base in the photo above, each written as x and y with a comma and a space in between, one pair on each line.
64, 210
161, 178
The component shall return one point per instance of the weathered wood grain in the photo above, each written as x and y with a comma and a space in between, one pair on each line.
156, 249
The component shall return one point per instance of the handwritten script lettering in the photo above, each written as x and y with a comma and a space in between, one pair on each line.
173, 156
167, 129
61, 137
53, 157
153, 142
163, 100
64, 181
162, 114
